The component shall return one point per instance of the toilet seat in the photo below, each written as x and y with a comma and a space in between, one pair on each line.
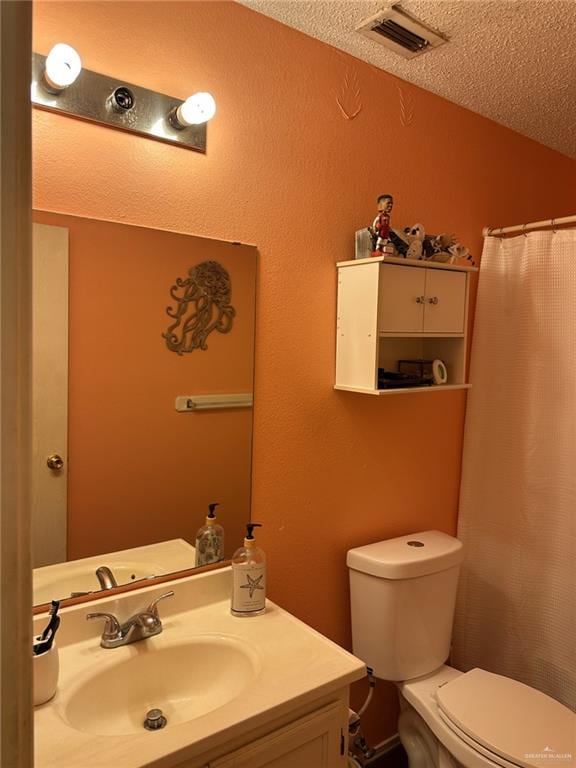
507, 721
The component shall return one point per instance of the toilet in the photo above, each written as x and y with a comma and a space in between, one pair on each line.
403, 594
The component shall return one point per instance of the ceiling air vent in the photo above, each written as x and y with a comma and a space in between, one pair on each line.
400, 32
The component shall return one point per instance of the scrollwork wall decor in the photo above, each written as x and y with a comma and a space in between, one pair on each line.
202, 306
406, 107
349, 99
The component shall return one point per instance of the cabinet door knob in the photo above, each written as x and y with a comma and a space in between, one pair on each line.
433, 300
420, 299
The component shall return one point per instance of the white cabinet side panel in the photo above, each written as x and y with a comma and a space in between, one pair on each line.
447, 291
49, 392
356, 334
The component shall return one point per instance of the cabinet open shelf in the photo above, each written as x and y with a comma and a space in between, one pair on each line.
403, 390
392, 309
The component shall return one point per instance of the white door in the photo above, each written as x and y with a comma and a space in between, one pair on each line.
401, 299
49, 394
445, 306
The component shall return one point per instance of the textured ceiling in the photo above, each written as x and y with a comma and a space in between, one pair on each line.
513, 61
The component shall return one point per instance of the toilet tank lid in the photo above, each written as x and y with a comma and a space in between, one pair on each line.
407, 557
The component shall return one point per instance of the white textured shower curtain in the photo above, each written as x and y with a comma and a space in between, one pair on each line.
517, 603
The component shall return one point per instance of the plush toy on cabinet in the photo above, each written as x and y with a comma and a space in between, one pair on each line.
415, 238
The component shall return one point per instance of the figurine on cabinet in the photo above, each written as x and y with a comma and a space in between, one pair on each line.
380, 229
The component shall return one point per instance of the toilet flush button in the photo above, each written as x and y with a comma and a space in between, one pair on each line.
415, 543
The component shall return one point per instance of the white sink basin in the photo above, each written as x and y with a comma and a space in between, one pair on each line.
185, 680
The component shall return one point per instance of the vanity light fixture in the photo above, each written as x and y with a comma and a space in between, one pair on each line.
63, 65
60, 84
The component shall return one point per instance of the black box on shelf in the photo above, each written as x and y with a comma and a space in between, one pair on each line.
395, 380
420, 369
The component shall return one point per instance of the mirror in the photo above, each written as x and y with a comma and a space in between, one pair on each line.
144, 458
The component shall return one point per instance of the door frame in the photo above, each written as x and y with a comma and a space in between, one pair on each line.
16, 711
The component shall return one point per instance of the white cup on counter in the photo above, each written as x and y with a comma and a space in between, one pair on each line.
46, 667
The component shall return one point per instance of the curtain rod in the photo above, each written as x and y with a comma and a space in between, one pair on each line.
487, 231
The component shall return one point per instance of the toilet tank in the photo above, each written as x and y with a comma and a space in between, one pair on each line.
403, 594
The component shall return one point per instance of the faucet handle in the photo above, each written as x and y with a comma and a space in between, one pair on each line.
152, 608
112, 626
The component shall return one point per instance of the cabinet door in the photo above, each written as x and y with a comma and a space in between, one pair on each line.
445, 306
316, 740
401, 299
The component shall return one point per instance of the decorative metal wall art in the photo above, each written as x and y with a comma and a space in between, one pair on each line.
406, 107
202, 306
349, 99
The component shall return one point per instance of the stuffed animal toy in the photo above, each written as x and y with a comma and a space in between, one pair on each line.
415, 238
439, 247
459, 254
398, 240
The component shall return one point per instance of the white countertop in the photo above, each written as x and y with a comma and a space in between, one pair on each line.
293, 664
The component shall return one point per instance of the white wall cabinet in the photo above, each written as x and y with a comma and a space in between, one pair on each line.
392, 309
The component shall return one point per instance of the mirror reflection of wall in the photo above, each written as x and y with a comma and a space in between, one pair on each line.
138, 472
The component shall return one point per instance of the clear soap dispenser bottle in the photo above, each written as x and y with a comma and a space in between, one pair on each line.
210, 540
249, 577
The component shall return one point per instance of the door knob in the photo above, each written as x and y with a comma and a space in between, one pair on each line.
55, 462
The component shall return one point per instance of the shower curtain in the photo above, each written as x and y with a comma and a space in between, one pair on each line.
517, 603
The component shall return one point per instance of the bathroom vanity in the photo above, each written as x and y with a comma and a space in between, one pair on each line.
263, 691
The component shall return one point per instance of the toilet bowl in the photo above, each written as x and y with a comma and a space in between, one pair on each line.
480, 719
402, 597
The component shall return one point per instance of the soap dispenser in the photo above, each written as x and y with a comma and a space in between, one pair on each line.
210, 540
249, 577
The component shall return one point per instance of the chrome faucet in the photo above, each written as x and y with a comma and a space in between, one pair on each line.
106, 577
138, 627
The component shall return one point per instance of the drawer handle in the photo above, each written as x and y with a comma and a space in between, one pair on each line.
420, 299
433, 300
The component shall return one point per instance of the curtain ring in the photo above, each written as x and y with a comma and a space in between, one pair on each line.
524, 230
554, 230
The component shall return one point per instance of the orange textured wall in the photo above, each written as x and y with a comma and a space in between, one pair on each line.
287, 171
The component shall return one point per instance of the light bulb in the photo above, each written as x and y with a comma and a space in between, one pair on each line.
197, 109
63, 65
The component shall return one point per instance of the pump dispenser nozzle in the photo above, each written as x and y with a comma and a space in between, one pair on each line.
210, 539
250, 530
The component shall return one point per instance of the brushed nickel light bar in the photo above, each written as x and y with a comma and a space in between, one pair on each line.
60, 84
